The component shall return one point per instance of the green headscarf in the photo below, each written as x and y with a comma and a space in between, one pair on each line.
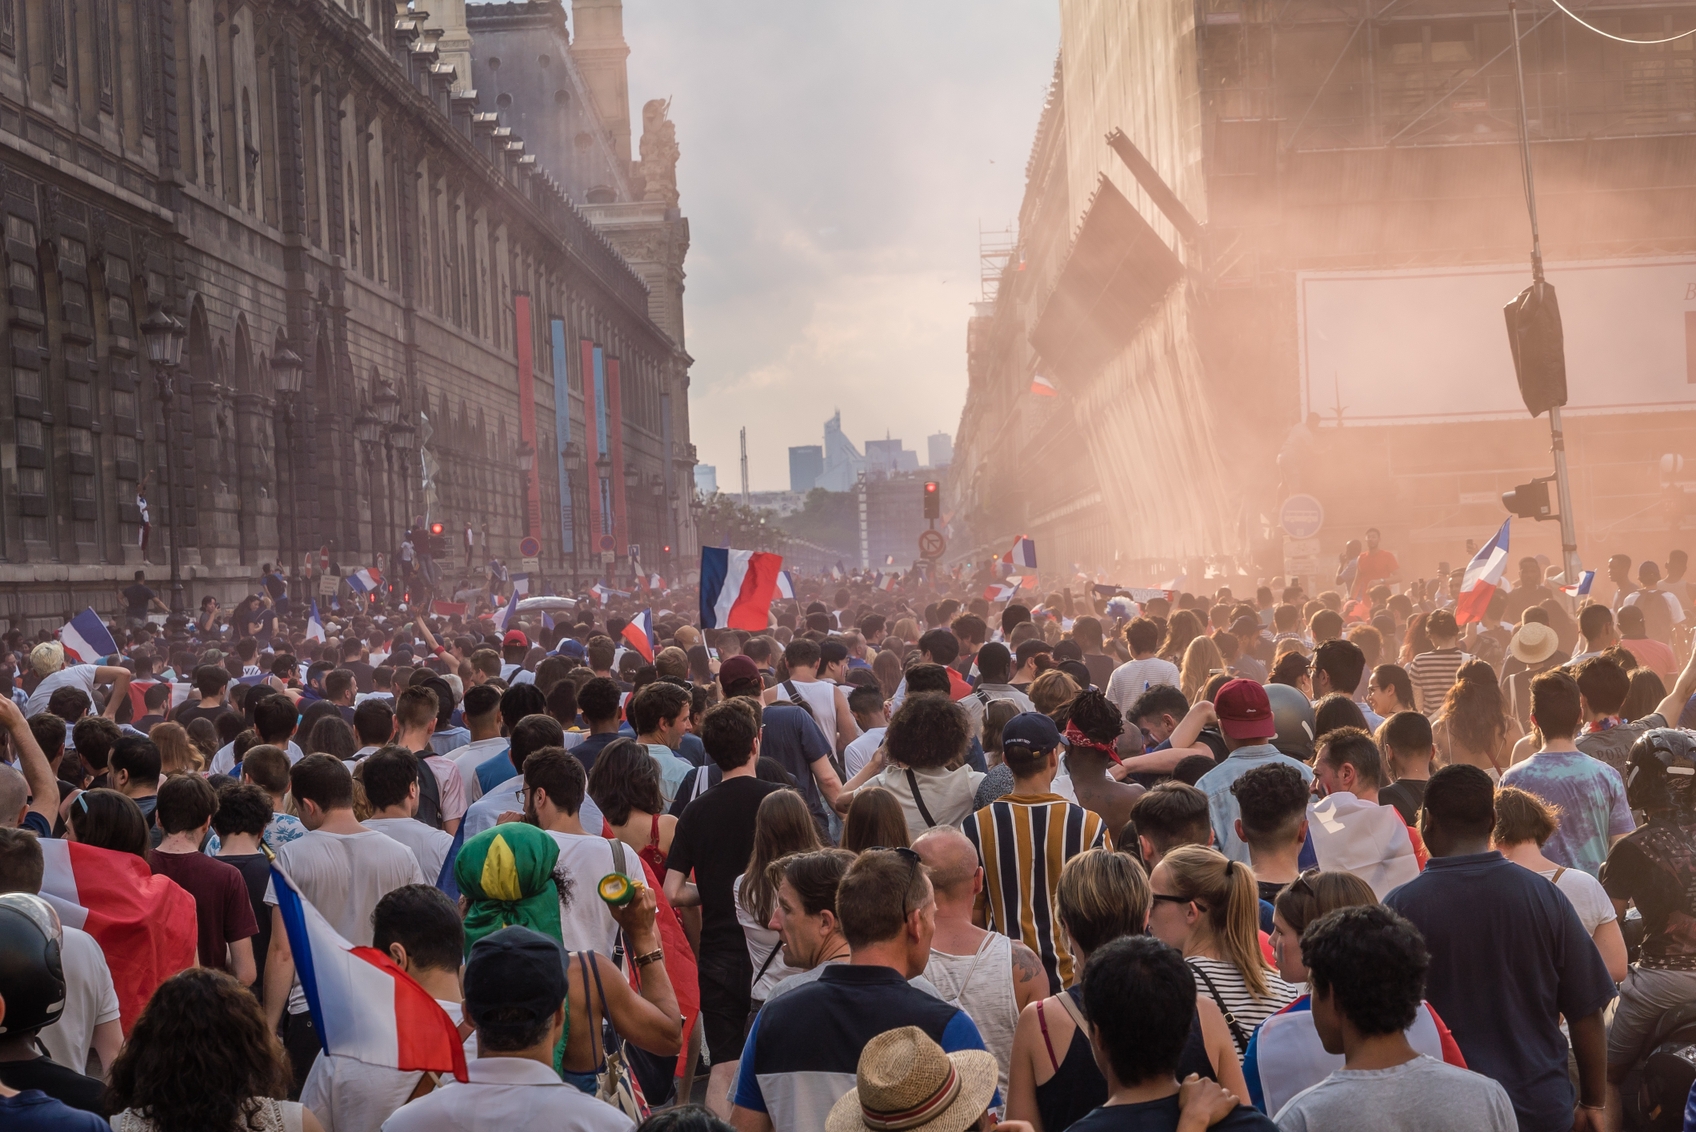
506, 872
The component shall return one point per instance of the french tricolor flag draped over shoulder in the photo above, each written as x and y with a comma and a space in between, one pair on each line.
145, 924
1483, 578
86, 639
737, 587
363, 1006
638, 633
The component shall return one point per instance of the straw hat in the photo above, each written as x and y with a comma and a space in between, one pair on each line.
47, 658
1534, 643
907, 1084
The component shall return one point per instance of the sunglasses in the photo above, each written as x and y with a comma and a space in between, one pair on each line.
913, 861
1170, 899
1301, 886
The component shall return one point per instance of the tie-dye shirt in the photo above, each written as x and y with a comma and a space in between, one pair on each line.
1591, 797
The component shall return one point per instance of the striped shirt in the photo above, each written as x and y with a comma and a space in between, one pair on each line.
1432, 674
1023, 841
1234, 998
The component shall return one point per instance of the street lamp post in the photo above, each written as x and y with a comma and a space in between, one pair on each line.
286, 371
367, 431
385, 404
164, 338
405, 440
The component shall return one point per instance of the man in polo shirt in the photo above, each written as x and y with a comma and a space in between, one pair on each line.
1509, 958
515, 997
804, 1048
1245, 719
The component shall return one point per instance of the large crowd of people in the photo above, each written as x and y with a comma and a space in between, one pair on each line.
901, 859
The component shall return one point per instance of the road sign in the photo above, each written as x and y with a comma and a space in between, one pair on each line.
608, 557
607, 544
309, 560
529, 547
932, 544
530, 565
327, 585
1301, 516
1301, 548
635, 552
324, 558
1300, 567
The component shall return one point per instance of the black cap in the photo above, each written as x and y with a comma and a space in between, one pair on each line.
514, 969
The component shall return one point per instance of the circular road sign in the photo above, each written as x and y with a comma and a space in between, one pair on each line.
607, 544
932, 544
1301, 516
530, 547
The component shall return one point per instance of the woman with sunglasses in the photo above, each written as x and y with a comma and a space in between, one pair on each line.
1206, 905
1053, 1080
1288, 1039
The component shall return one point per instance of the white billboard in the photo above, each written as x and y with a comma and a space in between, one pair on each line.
1430, 344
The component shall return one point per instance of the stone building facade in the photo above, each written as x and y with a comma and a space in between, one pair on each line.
305, 179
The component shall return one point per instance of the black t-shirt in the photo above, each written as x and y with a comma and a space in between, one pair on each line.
64, 1085
138, 597
1407, 795
256, 871
275, 586
1162, 1116
1649, 867
190, 712
1269, 889
715, 837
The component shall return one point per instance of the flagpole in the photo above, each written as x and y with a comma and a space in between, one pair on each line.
1557, 435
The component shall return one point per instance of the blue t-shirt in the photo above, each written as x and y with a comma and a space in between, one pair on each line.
804, 1048
38, 824
494, 770
1508, 958
34, 1111
1591, 797
692, 750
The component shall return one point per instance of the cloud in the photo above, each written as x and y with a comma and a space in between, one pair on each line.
836, 163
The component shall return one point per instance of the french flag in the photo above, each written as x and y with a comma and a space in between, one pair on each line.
785, 585
314, 624
886, 582
994, 593
1023, 553
179, 695
1043, 387
1483, 578
365, 580
146, 925
638, 633
363, 1006
1583, 587
86, 638
737, 587
520, 587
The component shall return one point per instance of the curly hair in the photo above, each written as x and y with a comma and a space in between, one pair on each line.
1473, 708
1052, 690
200, 1057
1097, 716
1372, 962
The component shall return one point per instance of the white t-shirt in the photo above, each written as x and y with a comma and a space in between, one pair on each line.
344, 875
74, 676
473, 755
1134, 677
429, 845
1589, 899
585, 924
225, 759
821, 697
347, 1095
761, 941
861, 750
90, 1000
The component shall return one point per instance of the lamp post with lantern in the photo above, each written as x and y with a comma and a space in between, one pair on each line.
164, 336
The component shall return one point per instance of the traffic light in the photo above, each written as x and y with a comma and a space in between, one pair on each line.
438, 541
1539, 356
1529, 500
933, 500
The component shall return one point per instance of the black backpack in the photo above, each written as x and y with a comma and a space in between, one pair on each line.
429, 792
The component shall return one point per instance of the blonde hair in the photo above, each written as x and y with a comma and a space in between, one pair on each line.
177, 752
1284, 648
1201, 660
1101, 896
907, 629
1225, 892
1051, 690
1522, 817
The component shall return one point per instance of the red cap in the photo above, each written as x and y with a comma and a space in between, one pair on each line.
1244, 711
736, 669
514, 637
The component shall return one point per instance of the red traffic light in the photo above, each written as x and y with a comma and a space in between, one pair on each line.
436, 528
930, 487
933, 500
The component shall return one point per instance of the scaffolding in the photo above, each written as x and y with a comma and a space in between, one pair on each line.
996, 248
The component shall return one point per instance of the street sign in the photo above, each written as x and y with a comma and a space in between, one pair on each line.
327, 585
532, 565
309, 559
324, 558
1301, 548
529, 547
932, 544
1301, 516
608, 557
1300, 567
607, 544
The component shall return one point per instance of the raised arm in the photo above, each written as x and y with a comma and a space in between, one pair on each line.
119, 678
43, 785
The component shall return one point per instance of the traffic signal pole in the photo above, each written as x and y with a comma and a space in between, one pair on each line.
1570, 568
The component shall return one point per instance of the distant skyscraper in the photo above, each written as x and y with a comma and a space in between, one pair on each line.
887, 457
941, 447
806, 465
706, 479
842, 461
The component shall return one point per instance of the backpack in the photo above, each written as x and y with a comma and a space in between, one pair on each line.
429, 793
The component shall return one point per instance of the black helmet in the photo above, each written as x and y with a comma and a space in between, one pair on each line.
32, 979
1292, 712
1661, 771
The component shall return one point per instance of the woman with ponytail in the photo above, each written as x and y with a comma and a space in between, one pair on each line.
1206, 905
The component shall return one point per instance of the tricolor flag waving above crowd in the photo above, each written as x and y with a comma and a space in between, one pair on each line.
737, 587
785, 585
1582, 586
520, 587
363, 1006
1023, 554
314, 624
86, 639
638, 633
365, 580
1483, 578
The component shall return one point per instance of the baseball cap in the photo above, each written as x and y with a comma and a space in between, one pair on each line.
514, 969
1245, 711
1031, 730
1245, 625
514, 637
736, 669
571, 647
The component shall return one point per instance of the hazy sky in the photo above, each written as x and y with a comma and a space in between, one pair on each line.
836, 162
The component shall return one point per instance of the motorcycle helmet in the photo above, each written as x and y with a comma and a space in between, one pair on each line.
1292, 712
1660, 772
32, 977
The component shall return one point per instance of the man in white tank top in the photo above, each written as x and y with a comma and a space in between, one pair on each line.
986, 974
806, 661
